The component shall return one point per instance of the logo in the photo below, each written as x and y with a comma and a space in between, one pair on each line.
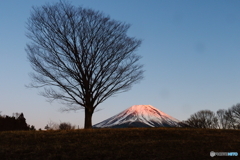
212, 153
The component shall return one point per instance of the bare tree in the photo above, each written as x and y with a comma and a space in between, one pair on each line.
222, 119
51, 126
236, 114
80, 56
230, 119
203, 119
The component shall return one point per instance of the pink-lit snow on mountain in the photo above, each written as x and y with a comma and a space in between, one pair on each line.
139, 116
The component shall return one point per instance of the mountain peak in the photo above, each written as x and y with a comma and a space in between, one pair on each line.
139, 116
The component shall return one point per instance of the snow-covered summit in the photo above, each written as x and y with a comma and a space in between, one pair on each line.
139, 116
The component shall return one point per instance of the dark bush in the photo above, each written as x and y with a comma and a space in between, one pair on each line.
66, 126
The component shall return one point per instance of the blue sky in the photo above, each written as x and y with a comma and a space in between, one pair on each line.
190, 50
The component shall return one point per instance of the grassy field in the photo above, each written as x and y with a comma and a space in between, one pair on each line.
111, 144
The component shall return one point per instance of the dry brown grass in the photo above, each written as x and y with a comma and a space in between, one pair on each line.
134, 143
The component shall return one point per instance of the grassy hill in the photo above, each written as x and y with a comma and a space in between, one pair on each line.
132, 143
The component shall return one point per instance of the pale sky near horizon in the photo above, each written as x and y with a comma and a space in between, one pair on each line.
190, 50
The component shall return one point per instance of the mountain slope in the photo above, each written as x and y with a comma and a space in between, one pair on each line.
139, 116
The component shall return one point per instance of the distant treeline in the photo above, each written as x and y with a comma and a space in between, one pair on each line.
62, 126
222, 119
15, 122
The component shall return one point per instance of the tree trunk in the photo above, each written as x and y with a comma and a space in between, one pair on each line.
88, 118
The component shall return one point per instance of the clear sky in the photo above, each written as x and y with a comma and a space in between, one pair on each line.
190, 50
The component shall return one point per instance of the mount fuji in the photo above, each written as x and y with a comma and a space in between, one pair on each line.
139, 116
